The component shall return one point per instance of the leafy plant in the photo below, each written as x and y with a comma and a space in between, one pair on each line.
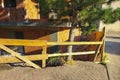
105, 59
56, 61
43, 7
84, 13
56, 5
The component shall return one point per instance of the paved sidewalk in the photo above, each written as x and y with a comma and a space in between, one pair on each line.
113, 52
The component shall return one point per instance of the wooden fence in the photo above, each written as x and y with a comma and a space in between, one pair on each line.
16, 57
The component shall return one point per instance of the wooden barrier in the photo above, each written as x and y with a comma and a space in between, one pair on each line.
101, 47
16, 57
99, 40
73, 53
22, 42
19, 57
11, 59
74, 43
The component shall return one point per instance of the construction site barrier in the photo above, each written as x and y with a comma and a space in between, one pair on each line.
16, 57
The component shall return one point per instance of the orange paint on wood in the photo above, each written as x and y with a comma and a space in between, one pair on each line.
95, 36
38, 35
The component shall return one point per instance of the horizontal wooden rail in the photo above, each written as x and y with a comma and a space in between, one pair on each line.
73, 53
13, 53
16, 57
21, 42
74, 43
12, 59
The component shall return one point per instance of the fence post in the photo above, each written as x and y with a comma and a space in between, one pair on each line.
103, 45
44, 53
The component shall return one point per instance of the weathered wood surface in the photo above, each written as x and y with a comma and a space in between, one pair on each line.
12, 59
101, 47
44, 53
13, 53
21, 42
18, 42
16, 57
73, 53
74, 43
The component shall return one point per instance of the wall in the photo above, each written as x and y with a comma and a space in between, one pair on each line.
3, 13
28, 34
4, 33
18, 13
60, 34
35, 34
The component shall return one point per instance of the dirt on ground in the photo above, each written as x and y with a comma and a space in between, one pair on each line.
79, 71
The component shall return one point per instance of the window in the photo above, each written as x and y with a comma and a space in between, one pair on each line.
9, 3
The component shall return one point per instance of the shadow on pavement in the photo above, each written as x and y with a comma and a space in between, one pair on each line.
112, 47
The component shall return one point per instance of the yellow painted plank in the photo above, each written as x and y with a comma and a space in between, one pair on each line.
18, 42
101, 45
44, 52
13, 53
63, 34
74, 43
21, 42
43, 63
73, 53
44, 49
11, 59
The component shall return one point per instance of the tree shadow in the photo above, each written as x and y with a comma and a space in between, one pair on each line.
112, 47
113, 37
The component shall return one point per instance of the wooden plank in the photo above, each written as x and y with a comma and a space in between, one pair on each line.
43, 53
99, 47
97, 52
103, 45
18, 42
21, 42
43, 63
74, 43
44, 49
73, 53
11, 59
13, 53
63, 34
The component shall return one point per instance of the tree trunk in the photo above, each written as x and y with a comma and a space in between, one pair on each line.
71, 39
72, 30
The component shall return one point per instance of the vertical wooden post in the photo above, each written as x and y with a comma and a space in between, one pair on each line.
102, 49
103, 45
44, 53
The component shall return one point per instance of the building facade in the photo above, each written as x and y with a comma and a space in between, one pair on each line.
19, 21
